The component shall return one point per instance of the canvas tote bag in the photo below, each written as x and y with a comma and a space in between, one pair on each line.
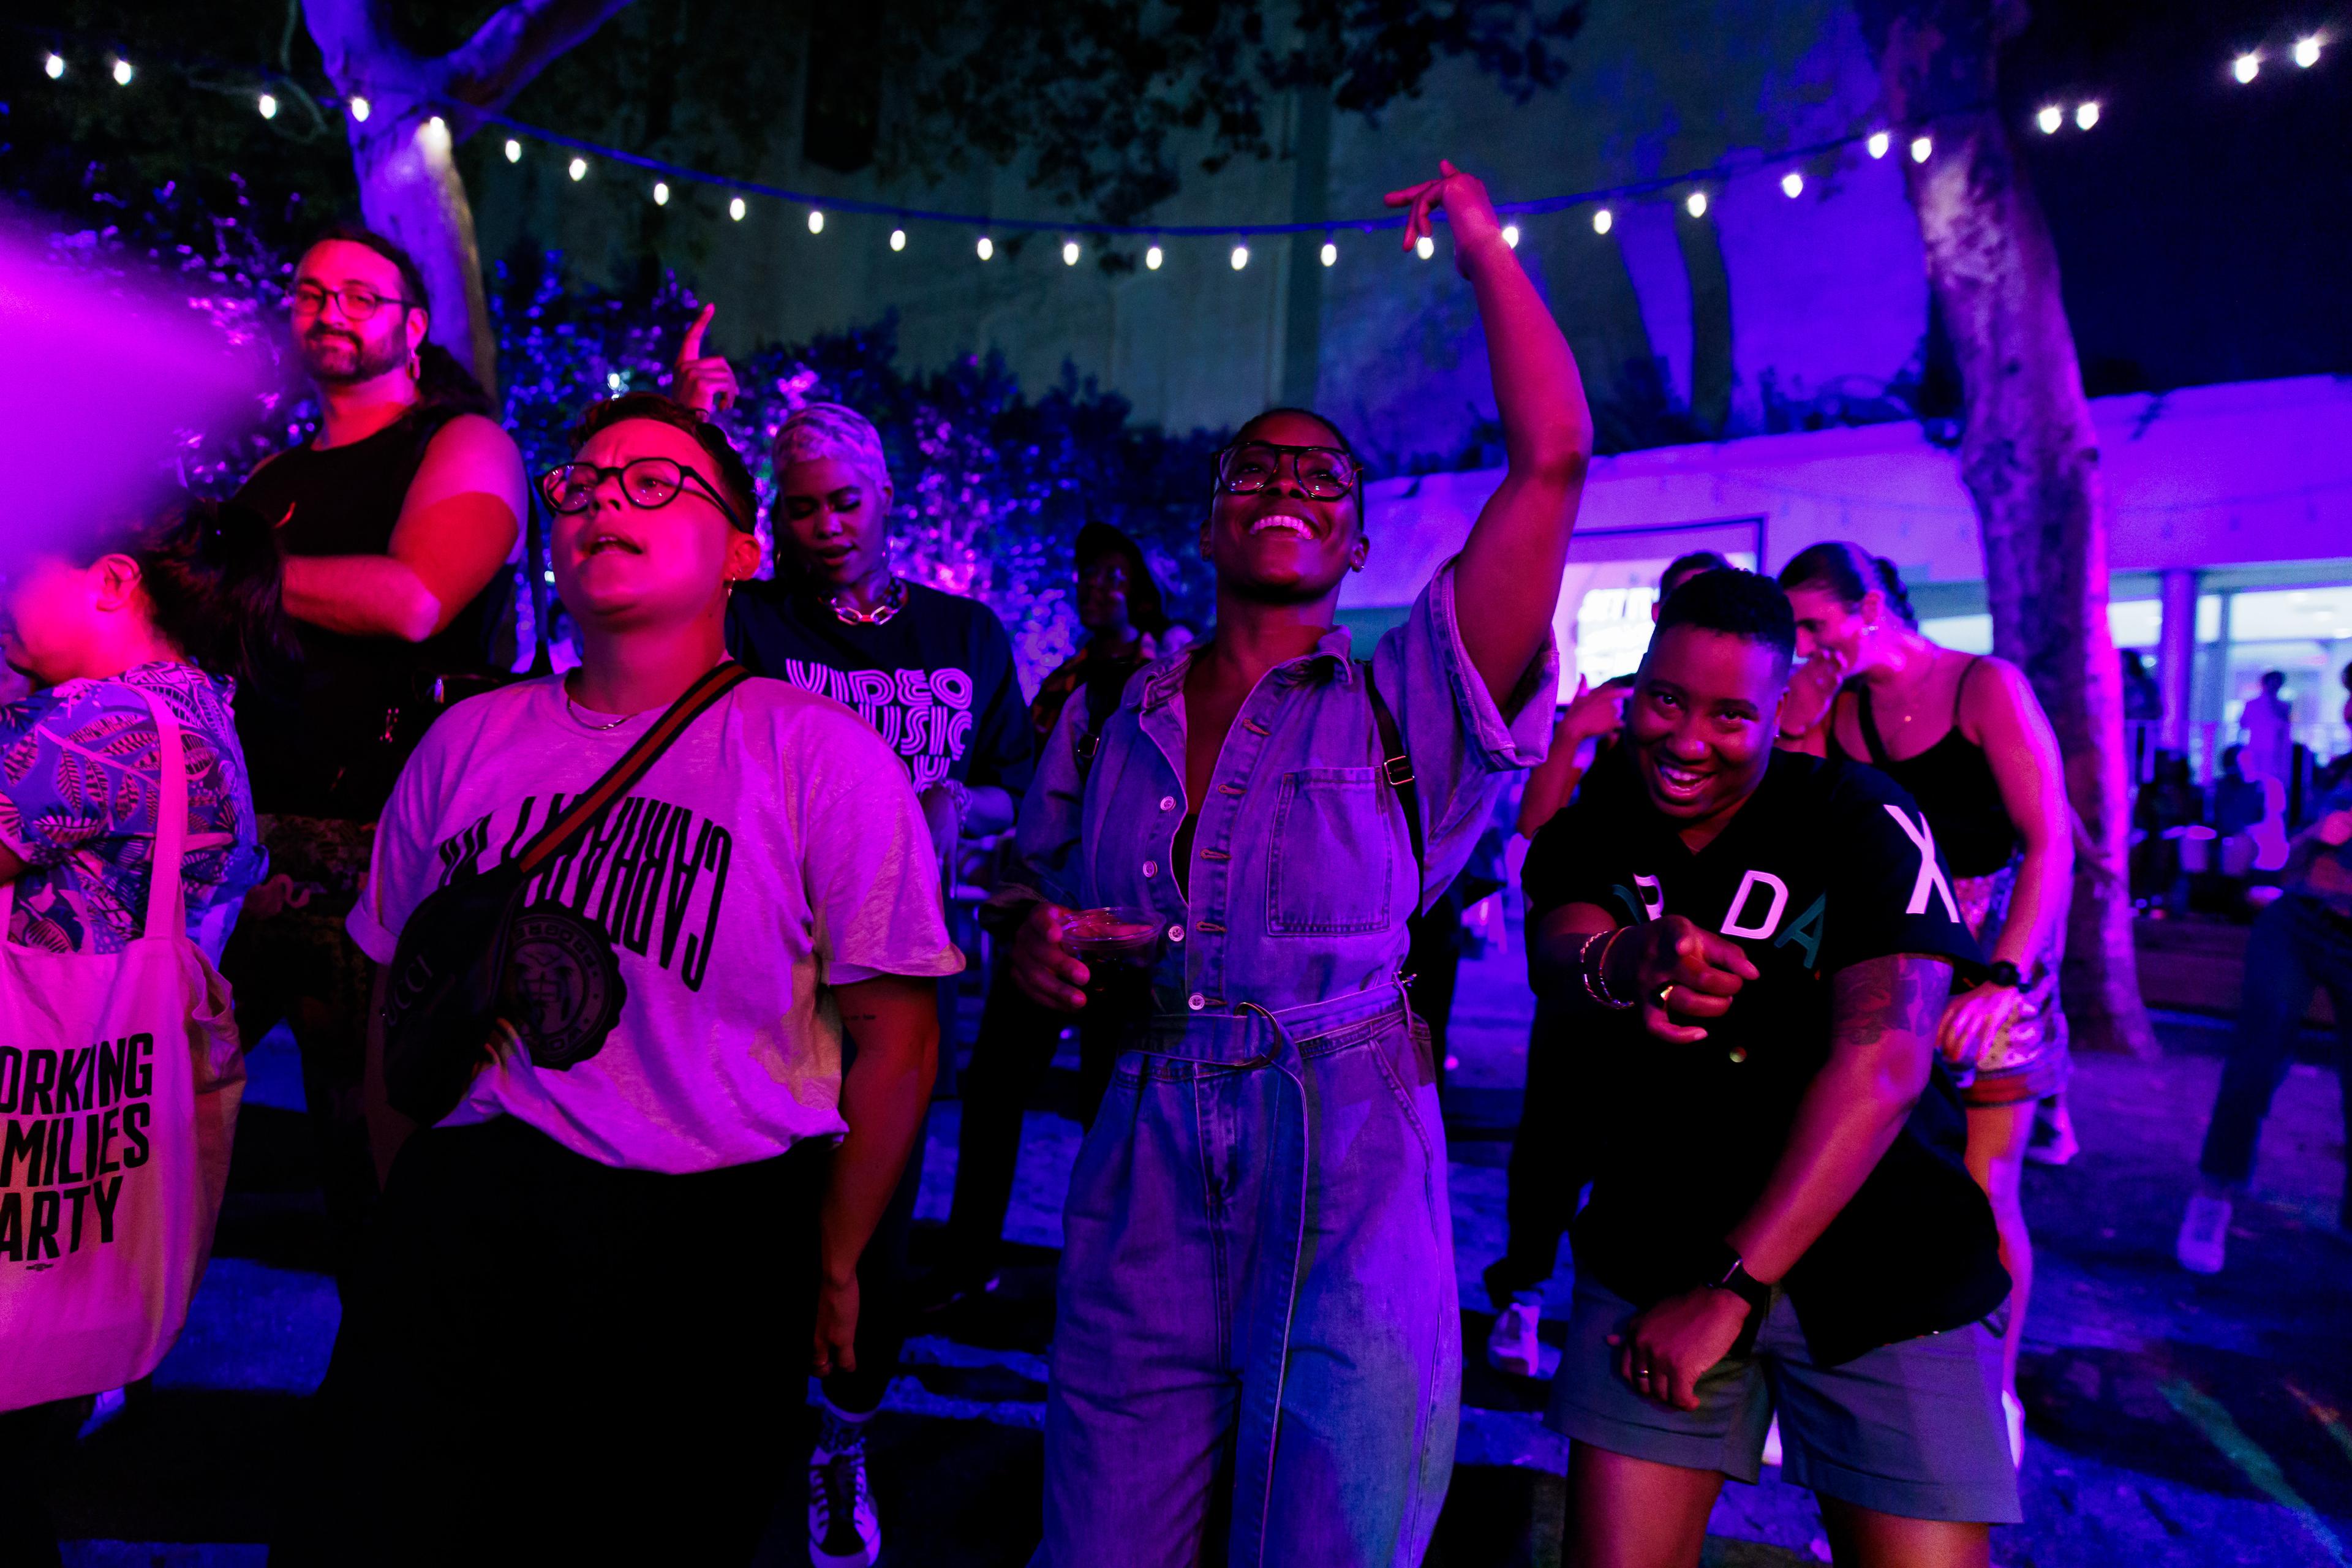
120, 1080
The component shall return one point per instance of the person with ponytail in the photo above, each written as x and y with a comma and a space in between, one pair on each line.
400, 522
162, 615
1966, 735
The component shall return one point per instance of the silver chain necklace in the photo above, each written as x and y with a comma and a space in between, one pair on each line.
582, 713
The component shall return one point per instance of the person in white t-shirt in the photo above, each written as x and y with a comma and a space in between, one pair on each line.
593, 1294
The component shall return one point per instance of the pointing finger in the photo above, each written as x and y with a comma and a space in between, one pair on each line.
691, 348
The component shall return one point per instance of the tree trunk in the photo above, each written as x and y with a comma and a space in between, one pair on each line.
2029, 456
419, 109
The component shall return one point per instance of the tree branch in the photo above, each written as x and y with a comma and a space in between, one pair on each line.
517, 43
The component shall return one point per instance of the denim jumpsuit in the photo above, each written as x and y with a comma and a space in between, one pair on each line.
1257, 1333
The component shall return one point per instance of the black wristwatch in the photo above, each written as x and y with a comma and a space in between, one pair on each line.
1734, 1276
2001, 971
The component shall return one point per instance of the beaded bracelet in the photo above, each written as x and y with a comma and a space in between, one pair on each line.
1596, 985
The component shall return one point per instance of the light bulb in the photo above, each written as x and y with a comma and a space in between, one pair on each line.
2051, 118
612, 380
2086, 115
1877, 144
1921, 147
514, 150
1152, 259
1695, 203
1511, 234
1070, 253
1601, 221
1241, 257
2245, 68
122, 72
898, 240
661, 193
55, 65
1330, 254
438, 126
736, 209
268, 104
1792, 184
579, 169
360, 108
1424, 248
816, 221
2307, 52
987, 247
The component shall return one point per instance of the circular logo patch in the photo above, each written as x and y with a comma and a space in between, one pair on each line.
562, 986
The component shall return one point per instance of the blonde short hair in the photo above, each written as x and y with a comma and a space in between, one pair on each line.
818, 431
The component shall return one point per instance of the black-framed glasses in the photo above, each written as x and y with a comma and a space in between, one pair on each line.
650, 483
359, 301
1326, 473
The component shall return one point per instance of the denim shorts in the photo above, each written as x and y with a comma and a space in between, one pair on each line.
1913, 1429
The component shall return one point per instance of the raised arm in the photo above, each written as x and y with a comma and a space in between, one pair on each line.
1509, 571
456, 530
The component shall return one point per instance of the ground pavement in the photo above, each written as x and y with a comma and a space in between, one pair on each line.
2173, 1419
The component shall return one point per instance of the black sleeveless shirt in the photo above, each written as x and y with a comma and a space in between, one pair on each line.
1952, 782
330, 742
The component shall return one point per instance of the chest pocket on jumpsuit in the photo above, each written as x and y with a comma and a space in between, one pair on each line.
1332, 868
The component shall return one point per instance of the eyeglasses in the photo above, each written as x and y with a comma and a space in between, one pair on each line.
650, 483
358, 300
1325, 473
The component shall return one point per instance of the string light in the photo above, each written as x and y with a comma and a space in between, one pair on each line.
2306, 52
1601, 221
1070, 253
816, 221
1792, 184
736, 209
1241, 257
514, 150
1511, 234
898, 240
268, 104
360, 108
1878, 143
1921, 147
55, 65
2246, 66
1152, 259
987, 247
579, 169
613, 381
121, 71
661, 193
2051, 118
438, 126
2086, 115
1424, 248
1330, 256
1695, 203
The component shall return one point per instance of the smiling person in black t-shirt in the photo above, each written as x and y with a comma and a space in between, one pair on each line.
1755, 949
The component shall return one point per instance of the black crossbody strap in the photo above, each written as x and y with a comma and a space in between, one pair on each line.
622, 776
1396, 766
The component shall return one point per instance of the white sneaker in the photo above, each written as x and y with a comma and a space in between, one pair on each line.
2204, 1234
2014, 1410
1512, 1346
843, 1531
1772, 1455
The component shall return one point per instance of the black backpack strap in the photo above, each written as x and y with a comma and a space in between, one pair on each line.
1397, 768
622, 775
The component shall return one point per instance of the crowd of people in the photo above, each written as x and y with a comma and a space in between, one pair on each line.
620, 993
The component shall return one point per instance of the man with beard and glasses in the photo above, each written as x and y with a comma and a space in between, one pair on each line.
1756, 946
399, 521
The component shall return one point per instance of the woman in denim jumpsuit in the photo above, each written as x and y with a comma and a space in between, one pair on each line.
1258, 1351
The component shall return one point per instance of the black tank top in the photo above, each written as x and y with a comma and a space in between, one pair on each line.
1952, 781
330, 742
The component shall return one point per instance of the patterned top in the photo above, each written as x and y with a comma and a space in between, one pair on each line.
78, 797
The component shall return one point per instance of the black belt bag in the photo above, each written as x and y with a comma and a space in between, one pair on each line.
476, 966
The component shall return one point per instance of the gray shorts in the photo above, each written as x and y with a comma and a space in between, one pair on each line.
1913, 1429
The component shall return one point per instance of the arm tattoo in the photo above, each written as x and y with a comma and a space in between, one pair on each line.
1900, 995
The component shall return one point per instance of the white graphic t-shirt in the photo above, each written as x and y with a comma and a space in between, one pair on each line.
774, 851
